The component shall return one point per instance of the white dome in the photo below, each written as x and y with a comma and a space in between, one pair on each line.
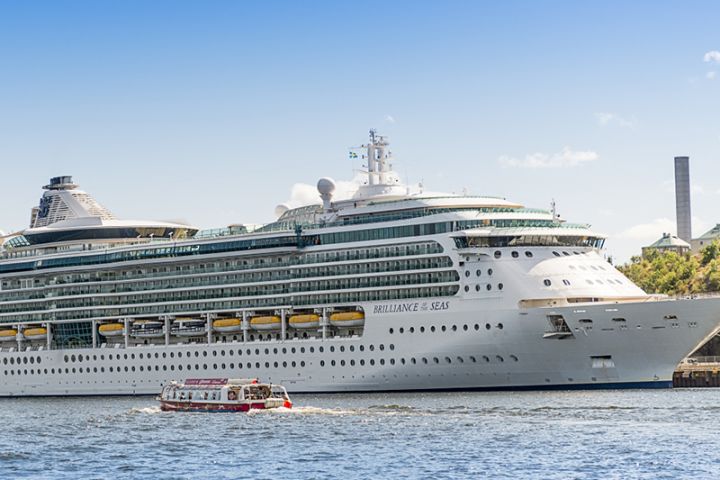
326, 185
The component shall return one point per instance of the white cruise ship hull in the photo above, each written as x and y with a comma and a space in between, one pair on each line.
408, 347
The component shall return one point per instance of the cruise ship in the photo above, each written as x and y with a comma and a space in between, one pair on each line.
392, 289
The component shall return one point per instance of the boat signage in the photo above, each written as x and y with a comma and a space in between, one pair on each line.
410, 307
206, 381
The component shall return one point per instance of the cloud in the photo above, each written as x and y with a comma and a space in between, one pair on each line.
566, 158
648, 231
712, 56
710, 75
606, 118
389, 119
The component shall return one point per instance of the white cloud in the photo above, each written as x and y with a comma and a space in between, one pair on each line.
389, 119
566, 158
648, 231
712, 56
710, 75
607, 118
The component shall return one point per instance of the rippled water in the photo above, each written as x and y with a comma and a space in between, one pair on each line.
593, 434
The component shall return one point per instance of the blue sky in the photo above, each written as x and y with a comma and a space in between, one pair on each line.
210, 112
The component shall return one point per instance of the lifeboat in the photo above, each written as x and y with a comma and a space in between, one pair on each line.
347, 319
39, 333
267, 322
227, 325
188, 327
306, 320
147, 329
8, 335
112, 329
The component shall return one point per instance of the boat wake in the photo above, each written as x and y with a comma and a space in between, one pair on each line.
303, 411
145, 410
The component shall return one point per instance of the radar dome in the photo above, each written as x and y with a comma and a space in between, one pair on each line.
281, 209
326, 186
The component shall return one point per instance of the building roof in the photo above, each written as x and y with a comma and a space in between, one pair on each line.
669, 241
711, 234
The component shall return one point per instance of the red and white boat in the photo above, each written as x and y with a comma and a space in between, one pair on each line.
222, 395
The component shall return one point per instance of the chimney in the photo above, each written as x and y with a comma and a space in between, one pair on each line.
682, 198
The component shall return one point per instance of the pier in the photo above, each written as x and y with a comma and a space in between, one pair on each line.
698, 372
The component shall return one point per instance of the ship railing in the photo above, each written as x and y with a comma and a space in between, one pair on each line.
701, 360
690, 296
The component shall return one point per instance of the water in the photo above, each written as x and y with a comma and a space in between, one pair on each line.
593, 434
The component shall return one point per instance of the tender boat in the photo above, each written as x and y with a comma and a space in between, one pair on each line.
267, 322
39, 333
222, 395
307, 320
9, 335
227, 325
188, 327
147, 329
347, 319
112, 329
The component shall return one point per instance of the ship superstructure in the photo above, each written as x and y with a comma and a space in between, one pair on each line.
387, 290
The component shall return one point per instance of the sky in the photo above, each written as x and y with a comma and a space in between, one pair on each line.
214, 112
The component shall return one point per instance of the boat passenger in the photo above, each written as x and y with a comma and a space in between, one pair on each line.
231, 395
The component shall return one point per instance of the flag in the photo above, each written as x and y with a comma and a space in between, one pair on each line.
353, 155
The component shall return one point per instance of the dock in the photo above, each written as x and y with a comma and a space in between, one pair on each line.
697, 372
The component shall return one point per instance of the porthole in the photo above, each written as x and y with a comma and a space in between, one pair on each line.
500, 326
478, 272
499, 358
467, 273
547, 282
412, 330
372, 362
486, 359
487, 326
432, 329
515, 254
488, 287
422, 329
556, 254
391, 331
382, 361
477, 288
477, 327
513, 358
528, 254
436, 360
490, 271
500, 286
497, 254
467, 288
